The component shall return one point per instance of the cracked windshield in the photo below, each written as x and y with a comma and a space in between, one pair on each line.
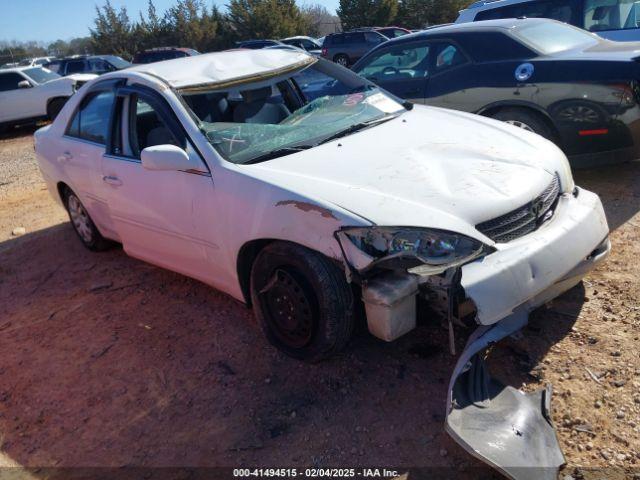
257, 122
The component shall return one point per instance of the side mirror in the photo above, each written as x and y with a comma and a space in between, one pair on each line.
24, 84
165, 157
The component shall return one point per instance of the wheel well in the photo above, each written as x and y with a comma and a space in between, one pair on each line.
247, 255
62, 190
51, 100
491, 111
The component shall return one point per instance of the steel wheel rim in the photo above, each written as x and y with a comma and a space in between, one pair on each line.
80, 219
289, 310
342, 61
522, 125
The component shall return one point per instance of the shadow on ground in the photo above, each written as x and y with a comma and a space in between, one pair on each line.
110, 362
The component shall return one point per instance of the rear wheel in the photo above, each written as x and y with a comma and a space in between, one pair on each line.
341, 59
83, 225
54, 107
301, 301
521, 118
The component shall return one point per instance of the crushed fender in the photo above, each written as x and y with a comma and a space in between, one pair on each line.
500, 425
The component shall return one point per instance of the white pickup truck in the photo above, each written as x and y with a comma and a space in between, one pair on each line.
34, 93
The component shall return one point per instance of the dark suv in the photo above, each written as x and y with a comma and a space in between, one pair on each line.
97, 64
163, 53
346, 48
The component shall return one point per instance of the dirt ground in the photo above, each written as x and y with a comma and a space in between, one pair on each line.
109, 362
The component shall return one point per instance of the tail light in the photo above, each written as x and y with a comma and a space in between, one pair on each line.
325, 52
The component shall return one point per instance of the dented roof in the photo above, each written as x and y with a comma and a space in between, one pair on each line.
221, 68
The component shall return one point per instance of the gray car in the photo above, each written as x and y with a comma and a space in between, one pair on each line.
346, 48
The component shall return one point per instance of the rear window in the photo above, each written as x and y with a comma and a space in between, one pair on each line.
549, 38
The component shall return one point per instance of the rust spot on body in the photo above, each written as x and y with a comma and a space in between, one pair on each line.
308, 207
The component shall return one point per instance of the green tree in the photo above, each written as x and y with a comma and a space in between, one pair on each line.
266, 18
113, 31
422, 13
367, 13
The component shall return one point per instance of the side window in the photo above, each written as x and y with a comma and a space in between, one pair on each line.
91, 121
447, 56
75, 67
373, 38
147, 127
97, 65
561, 10
397, 63
602, 15
354, 38
9, 81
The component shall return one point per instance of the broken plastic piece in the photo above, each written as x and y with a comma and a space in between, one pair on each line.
502, 426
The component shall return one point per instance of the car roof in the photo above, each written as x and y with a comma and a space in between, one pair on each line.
298, 37
20, 69
221, 68
504, 24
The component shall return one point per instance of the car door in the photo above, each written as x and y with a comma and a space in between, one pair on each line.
452, 78
163, 217
17, 103
81, 148
402, 69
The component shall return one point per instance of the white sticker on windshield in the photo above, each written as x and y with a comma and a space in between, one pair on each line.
383, 103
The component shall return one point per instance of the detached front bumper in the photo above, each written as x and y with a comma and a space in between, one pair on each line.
534, 269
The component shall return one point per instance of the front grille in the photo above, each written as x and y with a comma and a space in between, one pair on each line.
525, 219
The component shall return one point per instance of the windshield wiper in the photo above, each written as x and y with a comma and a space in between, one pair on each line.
278, 152
356, 127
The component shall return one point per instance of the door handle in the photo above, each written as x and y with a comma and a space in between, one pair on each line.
65, 157
112, 180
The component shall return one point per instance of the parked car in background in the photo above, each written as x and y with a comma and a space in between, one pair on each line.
570, 86
28, 94
257, 44
308, 44
613, 19
389, 32
36, 61
96, 64
308, 215
162, 53
346, 48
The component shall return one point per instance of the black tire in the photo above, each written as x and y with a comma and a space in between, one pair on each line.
342, 59
54, 107
316, 319
87, 231
525, 119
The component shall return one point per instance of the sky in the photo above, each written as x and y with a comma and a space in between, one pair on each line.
50, 20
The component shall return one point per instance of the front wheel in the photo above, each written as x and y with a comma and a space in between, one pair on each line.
526, 120
83, 225
302, 301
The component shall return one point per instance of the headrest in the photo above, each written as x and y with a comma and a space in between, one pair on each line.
256, 95
600, 12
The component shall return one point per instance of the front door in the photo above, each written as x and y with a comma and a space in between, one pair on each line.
17, 103
401, 69
164, 217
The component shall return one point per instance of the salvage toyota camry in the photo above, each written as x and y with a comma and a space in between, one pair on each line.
300, 188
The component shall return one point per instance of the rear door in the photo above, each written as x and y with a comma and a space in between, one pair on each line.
402, 69
164, 217
81, 148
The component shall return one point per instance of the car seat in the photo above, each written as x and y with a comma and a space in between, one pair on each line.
256, 108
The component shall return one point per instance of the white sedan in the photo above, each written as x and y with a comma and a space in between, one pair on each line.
294, 185
33, 93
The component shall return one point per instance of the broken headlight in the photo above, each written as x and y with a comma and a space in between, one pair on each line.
405, 247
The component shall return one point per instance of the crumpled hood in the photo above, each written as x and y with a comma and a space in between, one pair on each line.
430, 167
